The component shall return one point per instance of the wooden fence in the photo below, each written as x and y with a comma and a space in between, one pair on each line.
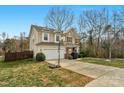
18, 56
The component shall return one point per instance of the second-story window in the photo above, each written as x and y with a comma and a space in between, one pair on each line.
57, 38
69, 39
46, 36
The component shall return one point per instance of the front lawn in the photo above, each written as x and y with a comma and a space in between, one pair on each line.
27, 73
115, 62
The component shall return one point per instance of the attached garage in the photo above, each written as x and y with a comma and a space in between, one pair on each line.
51, 51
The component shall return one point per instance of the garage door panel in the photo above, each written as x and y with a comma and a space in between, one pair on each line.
53, 53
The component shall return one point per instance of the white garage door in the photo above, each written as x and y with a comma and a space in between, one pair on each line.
53, 53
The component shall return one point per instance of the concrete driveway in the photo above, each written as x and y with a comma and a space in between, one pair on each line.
105, 76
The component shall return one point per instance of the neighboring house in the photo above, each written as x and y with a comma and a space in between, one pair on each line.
42, 39
14, 45
24, 44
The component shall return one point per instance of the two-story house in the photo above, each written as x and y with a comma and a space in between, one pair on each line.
42, 39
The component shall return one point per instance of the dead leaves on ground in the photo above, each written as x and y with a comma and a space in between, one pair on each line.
39, 74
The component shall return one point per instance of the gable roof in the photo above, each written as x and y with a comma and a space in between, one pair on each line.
40, 28
74, 32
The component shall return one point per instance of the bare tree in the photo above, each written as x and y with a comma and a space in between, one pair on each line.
4, 35
104, 29
7, 45
113, 31
60, 18
81, 24
92, 22
86, 26
21, 41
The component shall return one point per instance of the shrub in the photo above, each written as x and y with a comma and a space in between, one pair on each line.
40, 57
79, 56
83, 53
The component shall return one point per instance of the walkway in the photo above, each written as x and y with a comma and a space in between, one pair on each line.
105, 76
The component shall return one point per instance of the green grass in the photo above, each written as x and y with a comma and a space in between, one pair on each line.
114, 62
27, 73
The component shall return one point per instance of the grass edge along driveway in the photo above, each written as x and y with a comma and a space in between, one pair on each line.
114, 62
27, 73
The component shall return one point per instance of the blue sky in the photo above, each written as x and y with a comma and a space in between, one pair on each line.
16, 19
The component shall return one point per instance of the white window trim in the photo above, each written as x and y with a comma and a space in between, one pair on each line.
70, 37
59, 38
43, 37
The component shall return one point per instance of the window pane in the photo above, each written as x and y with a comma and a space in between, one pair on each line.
45, 36
69, 39
57, 38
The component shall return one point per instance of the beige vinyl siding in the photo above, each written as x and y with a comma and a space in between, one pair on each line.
51, 37
34, 40
40, 37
